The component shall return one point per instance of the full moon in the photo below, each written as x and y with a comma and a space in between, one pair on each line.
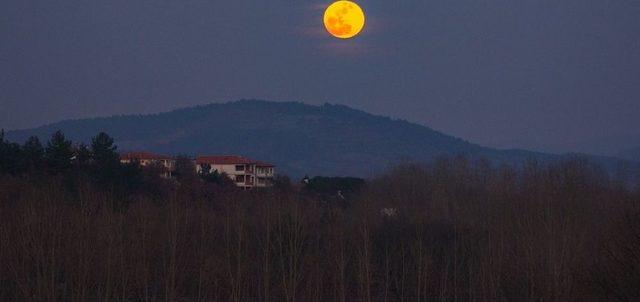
344, 19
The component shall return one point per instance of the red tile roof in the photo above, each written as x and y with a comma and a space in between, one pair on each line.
229, 160
143, 155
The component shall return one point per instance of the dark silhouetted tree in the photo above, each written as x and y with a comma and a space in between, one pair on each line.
33, 152
185, 171
335, 185
11, 159
216, 177
83, 155
103, 150
208, 176
58, 154
105, 159
205, 169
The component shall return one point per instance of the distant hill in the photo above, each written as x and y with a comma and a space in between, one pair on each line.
612, 145
331, 140
632, 154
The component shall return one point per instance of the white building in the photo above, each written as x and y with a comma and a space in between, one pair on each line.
244, 172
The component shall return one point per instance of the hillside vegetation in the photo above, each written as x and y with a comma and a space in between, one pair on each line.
453, 230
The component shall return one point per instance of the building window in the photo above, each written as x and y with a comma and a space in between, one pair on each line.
239, 178
239, 167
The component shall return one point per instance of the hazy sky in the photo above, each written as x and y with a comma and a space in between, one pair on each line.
537, 74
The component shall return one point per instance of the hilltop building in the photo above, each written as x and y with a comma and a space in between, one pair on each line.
244, 172
166, 163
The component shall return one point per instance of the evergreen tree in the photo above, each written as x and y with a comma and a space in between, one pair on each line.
11, 158
105, 159
103, 150
33, 152
58, 153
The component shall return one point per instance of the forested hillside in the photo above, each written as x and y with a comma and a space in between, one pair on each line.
86, 228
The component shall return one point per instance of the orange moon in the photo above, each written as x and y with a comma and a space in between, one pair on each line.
344, 19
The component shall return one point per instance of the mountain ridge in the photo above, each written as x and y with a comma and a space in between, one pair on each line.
328, 139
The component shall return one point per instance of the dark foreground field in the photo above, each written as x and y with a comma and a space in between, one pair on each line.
452, 231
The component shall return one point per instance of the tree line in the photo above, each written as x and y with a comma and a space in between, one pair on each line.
58, 156
99, 162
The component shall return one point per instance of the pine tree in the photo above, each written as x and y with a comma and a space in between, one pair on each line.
106, 164
33, 152
11, 157
58, 153
103, 151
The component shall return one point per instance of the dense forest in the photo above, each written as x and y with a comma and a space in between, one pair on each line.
76, 225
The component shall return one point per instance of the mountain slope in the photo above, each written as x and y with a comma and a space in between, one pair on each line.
630, 154
300, 139
612, 145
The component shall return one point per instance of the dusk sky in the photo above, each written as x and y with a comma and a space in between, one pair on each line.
537, 74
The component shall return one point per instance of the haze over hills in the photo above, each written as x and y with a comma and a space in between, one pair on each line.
611, 145
624, 146
630, 154
300, 139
